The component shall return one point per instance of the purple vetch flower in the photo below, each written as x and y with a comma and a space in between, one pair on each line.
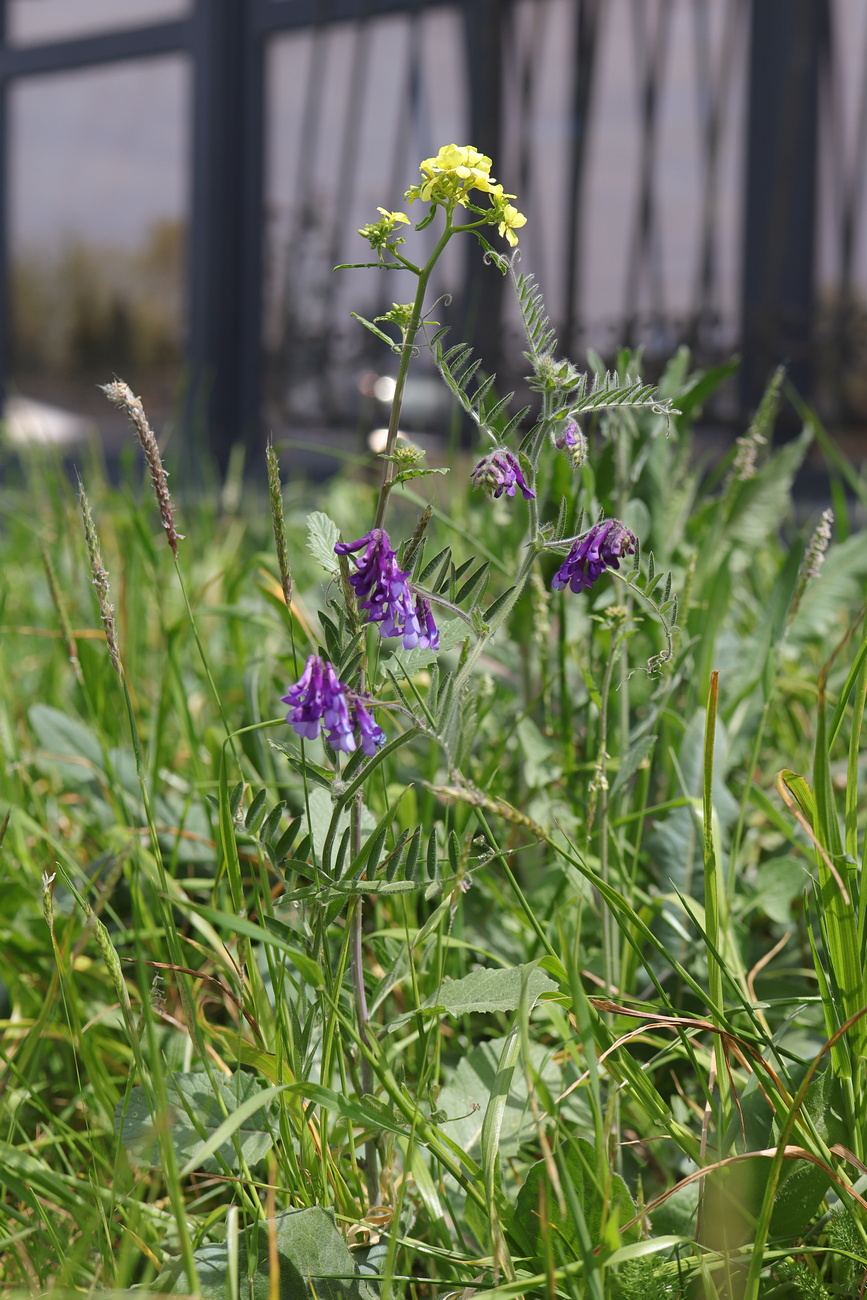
573, 441
372, 735
600, 548
429, 638
319, 699
385, 594
500, 472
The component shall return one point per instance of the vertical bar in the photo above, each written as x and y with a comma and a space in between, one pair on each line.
5, 302
786, 38
587, 20
484, 22
644, 268
250, 323
225, 235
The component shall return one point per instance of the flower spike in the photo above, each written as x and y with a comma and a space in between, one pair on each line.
385, 594
319, 699
500, 472
600, 548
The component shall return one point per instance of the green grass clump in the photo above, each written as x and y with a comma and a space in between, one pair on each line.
559, 990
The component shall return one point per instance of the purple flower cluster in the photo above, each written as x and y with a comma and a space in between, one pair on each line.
385, 594
319, 699
500, 472
600, 548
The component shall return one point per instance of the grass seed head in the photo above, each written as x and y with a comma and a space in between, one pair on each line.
121, 395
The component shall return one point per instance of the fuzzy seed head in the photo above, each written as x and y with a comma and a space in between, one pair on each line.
121, 395
100, 581
814, 556
275, 493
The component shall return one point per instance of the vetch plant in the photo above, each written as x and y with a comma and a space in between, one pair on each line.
398, 600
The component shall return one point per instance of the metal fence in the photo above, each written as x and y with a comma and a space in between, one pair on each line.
692, 171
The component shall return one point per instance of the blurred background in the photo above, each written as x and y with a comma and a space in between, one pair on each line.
179, 178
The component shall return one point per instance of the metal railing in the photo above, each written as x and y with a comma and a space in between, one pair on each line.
692, 171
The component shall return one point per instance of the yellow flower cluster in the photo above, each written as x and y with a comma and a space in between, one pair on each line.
449, 178
378, 232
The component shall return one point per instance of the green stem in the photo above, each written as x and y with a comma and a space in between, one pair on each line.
601, 776
361, 1010
713, 902
205, 665
405, 358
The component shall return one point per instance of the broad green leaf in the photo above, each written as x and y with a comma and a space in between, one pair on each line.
68, 743
321, 812
539, 771
781, 882
315, 1262
464, 1098
484, 991
198, 1144
802, 1184
631, 762
230, 1125
322, 536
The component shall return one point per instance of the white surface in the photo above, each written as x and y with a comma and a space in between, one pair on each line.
29, 422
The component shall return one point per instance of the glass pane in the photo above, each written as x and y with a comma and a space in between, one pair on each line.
352, 109
98, 205
51, 20
842, 224
658, 227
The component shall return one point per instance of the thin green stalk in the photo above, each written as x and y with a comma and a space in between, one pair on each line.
406, 354
355, 922
600, 780
205, 665
713, 896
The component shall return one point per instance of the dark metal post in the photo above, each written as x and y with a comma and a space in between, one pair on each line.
225, 239
5, 298
587, 23
780, 220
483, 292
